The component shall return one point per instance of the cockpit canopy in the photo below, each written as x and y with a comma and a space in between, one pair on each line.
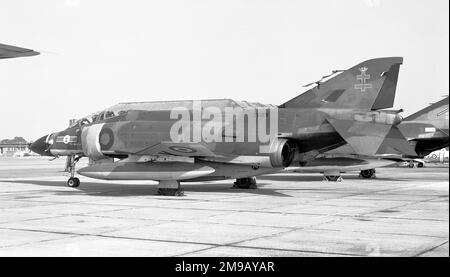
123, 108
99, 116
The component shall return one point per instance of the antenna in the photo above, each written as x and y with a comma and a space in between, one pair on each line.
333, 72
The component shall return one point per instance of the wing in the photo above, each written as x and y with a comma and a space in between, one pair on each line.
9, 51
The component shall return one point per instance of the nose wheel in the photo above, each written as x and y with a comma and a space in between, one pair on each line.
73, 181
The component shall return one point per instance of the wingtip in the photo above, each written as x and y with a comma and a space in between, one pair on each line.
10, 51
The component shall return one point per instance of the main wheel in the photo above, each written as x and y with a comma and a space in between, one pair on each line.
245, 183
73, 182
420, 165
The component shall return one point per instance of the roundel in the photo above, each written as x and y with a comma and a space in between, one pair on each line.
106, 138
66, 139
182, 149
434, 156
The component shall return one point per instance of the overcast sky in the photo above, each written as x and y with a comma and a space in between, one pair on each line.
98, 53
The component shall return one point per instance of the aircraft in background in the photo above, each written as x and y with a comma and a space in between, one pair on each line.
426, 130
227, 139
9, 51
435, 157
439, 156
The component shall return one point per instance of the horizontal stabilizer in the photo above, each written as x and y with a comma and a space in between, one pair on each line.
395, 140
364, 138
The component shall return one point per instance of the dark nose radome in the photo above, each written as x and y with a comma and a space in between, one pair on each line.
40, 147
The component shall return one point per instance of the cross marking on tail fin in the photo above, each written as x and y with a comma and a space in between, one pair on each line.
363, 78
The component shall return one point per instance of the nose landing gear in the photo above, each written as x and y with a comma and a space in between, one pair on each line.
73, 181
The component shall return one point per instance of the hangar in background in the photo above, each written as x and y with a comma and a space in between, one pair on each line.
10, 147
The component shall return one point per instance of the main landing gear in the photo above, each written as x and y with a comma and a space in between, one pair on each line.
73, 182
245, 183
367, 174
170, 188
332, 178
332, 175
413, 164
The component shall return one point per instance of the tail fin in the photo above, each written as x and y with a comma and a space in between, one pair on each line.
436, 111
369, 85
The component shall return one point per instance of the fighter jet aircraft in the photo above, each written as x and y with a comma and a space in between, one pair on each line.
426, 131
180, 141
428, 128
439, 156
9, 51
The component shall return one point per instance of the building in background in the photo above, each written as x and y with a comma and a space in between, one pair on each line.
17, 146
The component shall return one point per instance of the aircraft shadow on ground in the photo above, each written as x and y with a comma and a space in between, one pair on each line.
117, 189
318, 178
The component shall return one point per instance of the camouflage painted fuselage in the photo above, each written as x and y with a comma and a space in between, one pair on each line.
138, 128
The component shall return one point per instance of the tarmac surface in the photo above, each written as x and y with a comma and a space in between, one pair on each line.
404, 212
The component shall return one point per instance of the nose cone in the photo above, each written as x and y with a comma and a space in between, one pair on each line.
41, 147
